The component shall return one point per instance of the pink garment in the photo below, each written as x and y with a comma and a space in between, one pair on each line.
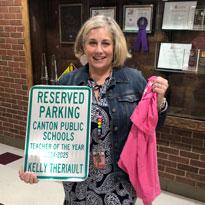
139, 155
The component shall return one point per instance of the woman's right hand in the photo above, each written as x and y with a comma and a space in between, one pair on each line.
28, 177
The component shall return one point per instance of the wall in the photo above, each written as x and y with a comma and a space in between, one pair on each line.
15, 76
181, 157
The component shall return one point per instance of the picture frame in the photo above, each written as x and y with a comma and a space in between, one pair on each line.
179, 15
131, 14
70, 22
177, 57
107, 11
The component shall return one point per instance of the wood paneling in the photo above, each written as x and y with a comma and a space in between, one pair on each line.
183, 98
27, 43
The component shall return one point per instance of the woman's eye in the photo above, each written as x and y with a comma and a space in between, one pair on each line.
106, 43
103, 43
92, 43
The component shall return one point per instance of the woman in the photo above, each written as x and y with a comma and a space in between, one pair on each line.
117, 90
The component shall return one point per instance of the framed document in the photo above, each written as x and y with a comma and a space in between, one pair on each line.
131, 14
106, 11
70, 21
58, 132
179, 15
174, 56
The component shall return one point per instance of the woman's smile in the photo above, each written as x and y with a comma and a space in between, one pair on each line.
99, 58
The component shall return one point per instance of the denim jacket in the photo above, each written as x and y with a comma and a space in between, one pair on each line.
123, 94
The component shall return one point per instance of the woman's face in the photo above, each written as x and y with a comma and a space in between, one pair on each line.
98, 49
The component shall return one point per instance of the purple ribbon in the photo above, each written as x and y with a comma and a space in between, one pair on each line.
141, 41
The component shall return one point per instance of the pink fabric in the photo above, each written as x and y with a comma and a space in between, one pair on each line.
139, 155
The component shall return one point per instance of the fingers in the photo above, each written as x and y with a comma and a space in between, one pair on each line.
160, 86
28, 177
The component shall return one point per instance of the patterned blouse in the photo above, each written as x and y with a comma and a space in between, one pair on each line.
100, 188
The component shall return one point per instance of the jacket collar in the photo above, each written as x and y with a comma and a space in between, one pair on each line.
118, 75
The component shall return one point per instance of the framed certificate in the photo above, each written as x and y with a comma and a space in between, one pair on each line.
106, 11
70, 21
131, 14
179, 15
174, 56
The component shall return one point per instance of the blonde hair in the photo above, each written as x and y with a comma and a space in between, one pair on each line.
120, 52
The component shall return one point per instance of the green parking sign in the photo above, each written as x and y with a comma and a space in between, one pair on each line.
58, 132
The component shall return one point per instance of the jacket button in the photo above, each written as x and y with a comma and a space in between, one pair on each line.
115, 128
113, 110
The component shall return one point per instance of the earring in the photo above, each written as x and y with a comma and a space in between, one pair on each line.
83, 59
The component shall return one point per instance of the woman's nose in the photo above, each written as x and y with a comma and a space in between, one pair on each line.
99, 47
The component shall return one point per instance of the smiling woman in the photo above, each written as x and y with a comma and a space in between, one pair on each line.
103, 43
99, 49
120, 51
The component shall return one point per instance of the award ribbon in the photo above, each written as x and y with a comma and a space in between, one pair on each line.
141, 40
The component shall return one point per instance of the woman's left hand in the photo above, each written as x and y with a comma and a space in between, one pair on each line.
160, 86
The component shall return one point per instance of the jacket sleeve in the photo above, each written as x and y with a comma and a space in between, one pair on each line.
161, 119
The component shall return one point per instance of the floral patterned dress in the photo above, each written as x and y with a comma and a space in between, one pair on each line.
100, 188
